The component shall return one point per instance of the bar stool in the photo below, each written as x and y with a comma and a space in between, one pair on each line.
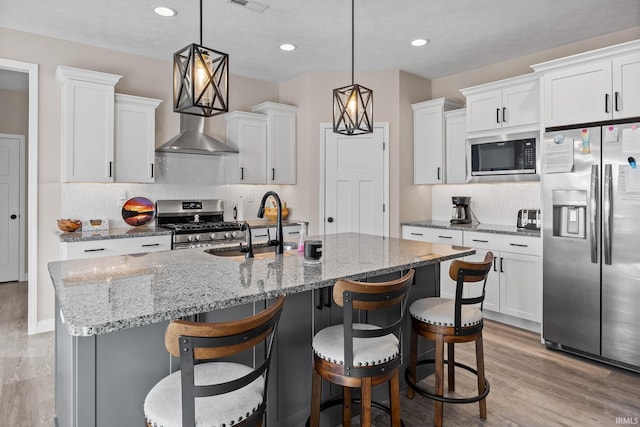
359, 354
214, 393
450, 321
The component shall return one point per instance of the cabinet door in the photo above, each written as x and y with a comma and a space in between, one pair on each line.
520, 104
456, 137
281, 143
248, 132
87, 132
428, 138
626, 86
109, 247
492, 288
521, 286
578, 94
262, 235
134, 138
484, 111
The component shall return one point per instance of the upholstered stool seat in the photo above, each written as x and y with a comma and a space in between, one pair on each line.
211, 389
328, 344
164, 409
361, 355
441, 312
450, 321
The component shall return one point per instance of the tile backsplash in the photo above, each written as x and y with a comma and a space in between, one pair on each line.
491, 203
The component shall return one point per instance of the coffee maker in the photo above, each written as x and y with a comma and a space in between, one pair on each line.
461, 213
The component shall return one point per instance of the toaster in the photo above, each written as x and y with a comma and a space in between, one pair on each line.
530, 219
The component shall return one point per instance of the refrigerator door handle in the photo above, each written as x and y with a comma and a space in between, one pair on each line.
593, 207
607, 213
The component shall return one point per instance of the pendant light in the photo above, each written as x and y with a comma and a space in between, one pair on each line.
200, 80
353, 104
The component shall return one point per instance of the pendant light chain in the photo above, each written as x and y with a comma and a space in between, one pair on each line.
201, 23
352, 41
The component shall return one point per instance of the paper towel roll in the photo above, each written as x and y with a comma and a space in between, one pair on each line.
240, 209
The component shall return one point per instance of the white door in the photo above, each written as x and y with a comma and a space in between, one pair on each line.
355, 184
9, 207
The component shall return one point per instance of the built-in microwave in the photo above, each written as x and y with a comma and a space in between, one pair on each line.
507, 158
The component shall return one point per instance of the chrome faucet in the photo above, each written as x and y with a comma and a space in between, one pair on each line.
279, 241
246, 227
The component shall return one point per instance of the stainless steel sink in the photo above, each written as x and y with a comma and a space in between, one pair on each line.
258, 252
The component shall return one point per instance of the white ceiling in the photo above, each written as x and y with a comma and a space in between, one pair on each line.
464, 34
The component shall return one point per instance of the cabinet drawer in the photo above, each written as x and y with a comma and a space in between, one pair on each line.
504, 243
109, 247
433, 235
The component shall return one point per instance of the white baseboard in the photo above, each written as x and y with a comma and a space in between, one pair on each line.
513, 321
46, 325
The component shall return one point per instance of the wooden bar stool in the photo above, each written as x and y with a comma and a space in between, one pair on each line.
359, 354
447, 321
214, 393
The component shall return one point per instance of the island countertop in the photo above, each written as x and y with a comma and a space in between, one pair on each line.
101, 295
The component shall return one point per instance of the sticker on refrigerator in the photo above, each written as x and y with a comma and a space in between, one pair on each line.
631, 140
586, 142
610, 134
628, 183
558, 155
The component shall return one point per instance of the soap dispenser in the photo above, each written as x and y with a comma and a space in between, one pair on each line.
303, 236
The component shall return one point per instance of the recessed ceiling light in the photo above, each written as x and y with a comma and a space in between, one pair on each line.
287, 47
419, 42
165, 11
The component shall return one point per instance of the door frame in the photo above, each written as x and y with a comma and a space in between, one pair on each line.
22, 276
32, 182
323, 161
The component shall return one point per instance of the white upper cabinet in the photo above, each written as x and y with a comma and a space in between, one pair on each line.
87, 124
456, 137
510, 104
429, 140
248, 133
281, 141
594, 86
135, 138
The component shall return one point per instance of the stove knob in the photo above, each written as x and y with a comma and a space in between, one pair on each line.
190, 238
213, 236
197, 237
227, 235
235, 234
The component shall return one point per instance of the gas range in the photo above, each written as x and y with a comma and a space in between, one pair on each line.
198, 223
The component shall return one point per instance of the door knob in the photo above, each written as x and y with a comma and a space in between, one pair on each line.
14, 216
330, 219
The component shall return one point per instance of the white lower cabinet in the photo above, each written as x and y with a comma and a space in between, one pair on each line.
513, 292
109, 247
437, 235
514, 287
263, 235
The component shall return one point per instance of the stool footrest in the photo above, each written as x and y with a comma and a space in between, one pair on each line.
424, 392
337, 402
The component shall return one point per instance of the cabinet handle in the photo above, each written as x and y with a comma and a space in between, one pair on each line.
110, 169
497, 115
273, 174
261, 235
504, 114
446, 237
438, 173
241, 174
150, 245
94, 250
606, 102
417, 234
494, 264
481, 241
616, 98
501, 264
519, 245
151, 170
293, 232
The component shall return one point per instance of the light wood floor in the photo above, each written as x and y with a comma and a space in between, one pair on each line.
530, 385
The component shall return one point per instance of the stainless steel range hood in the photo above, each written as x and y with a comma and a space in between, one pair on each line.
193, 140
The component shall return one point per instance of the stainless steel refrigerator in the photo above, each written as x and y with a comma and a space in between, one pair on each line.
591, 241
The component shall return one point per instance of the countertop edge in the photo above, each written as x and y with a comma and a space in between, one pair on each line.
478, 228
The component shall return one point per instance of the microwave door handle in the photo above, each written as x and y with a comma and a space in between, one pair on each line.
593, 208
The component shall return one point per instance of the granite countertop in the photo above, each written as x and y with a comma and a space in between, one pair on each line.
101, 295
120, 233
484, 228
112, 233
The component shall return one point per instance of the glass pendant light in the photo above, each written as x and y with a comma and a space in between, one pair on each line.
200, 80
353, 104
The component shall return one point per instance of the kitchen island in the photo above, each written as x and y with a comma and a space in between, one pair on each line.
112, 312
